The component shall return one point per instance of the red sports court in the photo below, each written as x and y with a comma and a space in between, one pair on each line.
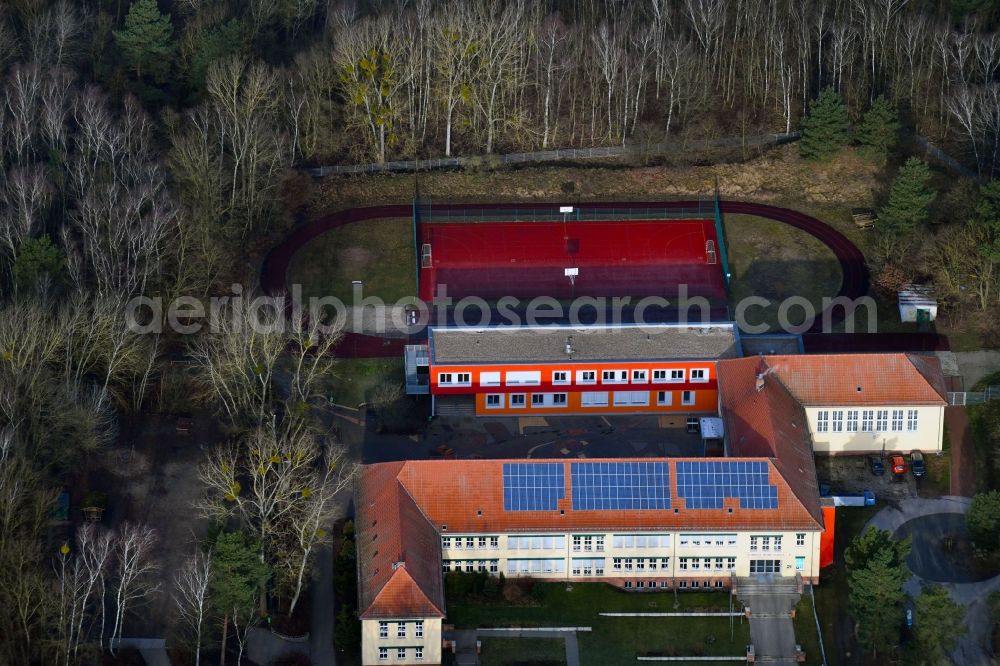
611, 257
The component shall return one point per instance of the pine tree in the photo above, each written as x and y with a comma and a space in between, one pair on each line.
983, 520
876, 571
877, 132
938, 623
909, 199
237, 576
145, 41
826, 128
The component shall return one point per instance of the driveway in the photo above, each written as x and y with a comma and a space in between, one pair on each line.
937, 515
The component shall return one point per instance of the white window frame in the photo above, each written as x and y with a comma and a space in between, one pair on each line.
660, 375
677, 375
912, 422
418, 653
852, 420
664, 398
588, 398
401, 653
617, 376
418, 629
867, 420
882, 420
445, 378
823, 421
640, 376
563, 373
499, 400
800, 539
383, 629
897, 420
516, 398
699, 380
537, 399
838, 420
523, 377
400, 630
560, 399
383, 654
687, 398
489, 378
582, 376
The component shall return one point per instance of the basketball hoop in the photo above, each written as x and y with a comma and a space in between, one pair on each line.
571, 273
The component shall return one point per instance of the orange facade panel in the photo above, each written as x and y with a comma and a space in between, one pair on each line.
602, 400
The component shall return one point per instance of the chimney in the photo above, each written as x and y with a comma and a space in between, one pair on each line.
569, 345
760, 381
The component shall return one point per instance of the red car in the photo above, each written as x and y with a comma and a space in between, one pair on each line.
898, 464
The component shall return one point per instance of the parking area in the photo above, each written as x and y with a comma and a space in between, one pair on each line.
852, 475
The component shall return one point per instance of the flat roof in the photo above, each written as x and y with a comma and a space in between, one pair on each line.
615, 342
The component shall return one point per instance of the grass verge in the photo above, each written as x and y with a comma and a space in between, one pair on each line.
523, 651
805, 630
377, 252
357, 378
831, 593
615, 640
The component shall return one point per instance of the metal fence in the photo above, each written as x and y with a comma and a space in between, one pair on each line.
965, 398
428, 212
930, 149
560, 154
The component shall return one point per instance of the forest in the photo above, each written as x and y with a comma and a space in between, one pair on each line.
148, 147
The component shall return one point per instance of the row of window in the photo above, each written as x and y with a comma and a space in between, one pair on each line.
588, 399
470, 543
534, 377
706, 563
871, 420
595, 542
515, 567
401, 628
482, 566
639, 563
684, 584
418, 653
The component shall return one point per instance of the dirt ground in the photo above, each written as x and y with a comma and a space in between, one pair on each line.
850, 475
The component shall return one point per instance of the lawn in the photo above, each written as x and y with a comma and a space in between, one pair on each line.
773, 260
377, 252
831, 593
614, 640
805, 630
523, 651
357, 378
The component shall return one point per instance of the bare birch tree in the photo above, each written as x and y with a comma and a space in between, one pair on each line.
191, 596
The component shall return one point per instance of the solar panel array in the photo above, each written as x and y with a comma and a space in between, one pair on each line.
704, 485
533, 486
620, 485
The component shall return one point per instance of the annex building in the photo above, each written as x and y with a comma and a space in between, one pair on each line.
644, 523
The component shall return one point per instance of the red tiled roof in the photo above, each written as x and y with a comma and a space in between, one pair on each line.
769, 422
399, 551
859, 379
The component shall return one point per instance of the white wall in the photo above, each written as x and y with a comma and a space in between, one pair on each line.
927, 437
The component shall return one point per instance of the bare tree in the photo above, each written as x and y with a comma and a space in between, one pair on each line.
191, 595
136, 567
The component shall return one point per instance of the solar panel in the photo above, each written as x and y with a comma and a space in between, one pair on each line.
620, 485
533, 486
704, 485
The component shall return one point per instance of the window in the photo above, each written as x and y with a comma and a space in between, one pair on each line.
614, 376
641, 584
777, 543
588, 543
765, 543
494, 566
446, 542
418, 629
470, 543
730, 563
822, 421
599, 543
659, 376
481, 543
445, 377
699, 375
470, 566
494, 400
537, 399
560, 377
800, 562
383, 630
881, 419
897, 420
628, 585
629, 398
866, 420
687, 397
911, 420
676, 375
418, 652
628, 564
718, 583
616, 563
586, 376
754, 543
639, 376
517, 400
800, 539
838, 421
684, 564
559, 399
400, 630
383, 653
664, 398
765, 566
852, 420
524, 377
401, 653
577, 543
481, 566
489, 379
456, 379
494, 543
458, 543
595, 399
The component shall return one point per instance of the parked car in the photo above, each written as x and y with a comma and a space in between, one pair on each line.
875, 463
898, 464
917, 463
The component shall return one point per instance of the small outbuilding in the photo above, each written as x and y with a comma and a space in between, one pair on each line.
917, 304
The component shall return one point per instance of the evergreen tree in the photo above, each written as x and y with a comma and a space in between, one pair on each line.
145, 41
826, 128
938, 624
909, 199
983, 520
877, 132
237, 575
215, 44
876, 571
37, 258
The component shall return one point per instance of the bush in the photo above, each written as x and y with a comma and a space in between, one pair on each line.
983, 520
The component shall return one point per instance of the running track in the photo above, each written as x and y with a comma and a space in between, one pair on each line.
275, 267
